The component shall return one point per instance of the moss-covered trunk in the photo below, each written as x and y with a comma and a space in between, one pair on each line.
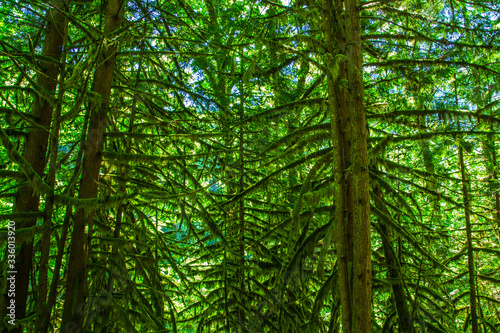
74, 304
341, 27
35, 148
362, 273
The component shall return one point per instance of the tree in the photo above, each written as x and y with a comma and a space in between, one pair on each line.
35, 147
295, 166
76, 287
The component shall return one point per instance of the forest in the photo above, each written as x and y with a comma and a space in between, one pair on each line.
236, 166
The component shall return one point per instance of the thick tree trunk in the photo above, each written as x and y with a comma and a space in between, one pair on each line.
35, 147
74, 304
352, 217
343, 224
362, 273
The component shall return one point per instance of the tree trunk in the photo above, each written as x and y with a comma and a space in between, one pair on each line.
350, 163
470, 251
362, 273
41, 301
74, 303
35, 148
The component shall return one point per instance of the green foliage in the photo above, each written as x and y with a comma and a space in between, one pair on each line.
215, 202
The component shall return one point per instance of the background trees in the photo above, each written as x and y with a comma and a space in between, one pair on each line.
218, 159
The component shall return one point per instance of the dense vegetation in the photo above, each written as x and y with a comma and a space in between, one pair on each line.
232, 166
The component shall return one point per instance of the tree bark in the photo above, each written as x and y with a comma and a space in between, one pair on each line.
362, 272
339, 118
43, 281
35, 148
350, 162
74, 304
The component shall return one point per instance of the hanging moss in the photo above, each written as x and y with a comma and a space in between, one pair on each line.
35, 180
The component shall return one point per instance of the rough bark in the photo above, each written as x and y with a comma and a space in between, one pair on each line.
337, 107
346, 104
362, 273
35, 148
74, 304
